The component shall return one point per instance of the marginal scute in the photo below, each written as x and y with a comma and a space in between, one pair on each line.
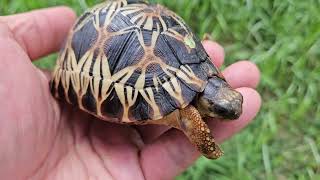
89, 102
140, 110
128, 62
60, 91
112, 107
72, 96
164, 100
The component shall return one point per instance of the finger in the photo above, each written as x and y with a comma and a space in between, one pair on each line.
215, 51
173, 152
151, 132
116, 146
41, 32
242, 74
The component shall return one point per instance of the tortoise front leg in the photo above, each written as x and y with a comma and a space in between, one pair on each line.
190, 122
198, 132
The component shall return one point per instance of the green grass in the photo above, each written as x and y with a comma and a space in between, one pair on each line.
283, 38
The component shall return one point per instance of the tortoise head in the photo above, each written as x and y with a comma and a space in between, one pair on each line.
219, 100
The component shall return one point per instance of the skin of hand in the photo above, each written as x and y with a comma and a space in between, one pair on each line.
42, 138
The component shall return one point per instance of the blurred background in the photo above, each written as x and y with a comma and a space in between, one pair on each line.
283, 38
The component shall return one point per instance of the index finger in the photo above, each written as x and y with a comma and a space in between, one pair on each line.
215, 51
40, 32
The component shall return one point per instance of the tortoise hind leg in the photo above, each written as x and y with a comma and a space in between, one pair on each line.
190, 122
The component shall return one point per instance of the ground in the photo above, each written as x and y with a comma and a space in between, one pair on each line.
283, 39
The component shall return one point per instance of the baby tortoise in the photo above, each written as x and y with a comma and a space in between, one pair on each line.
131, 62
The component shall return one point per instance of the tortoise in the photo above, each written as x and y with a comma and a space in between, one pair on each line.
136, 63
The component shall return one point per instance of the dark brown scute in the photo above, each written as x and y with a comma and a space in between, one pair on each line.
188, 93
133, 79
166, 102
52, 86
170, 21
182, 53
112, 107
147, 34
118, 23
196, 68
82, 18
123, 51
159, 73
61, 91
72, 95
89, 102
167, 53
140, 110
84, 39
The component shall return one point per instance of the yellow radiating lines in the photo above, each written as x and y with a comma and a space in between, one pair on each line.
141, 80
84, 83
174, 89
148, 96
130, 10
105, 92
149, 23
127, 99
156, 82
56, 78
186, 74
66, 83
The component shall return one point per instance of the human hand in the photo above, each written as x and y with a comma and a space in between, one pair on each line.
42, 139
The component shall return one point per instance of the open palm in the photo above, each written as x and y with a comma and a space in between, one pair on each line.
43, 139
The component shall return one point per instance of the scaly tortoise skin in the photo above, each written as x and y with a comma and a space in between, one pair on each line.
131, 62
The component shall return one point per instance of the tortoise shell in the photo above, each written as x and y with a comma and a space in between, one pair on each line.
130, 61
